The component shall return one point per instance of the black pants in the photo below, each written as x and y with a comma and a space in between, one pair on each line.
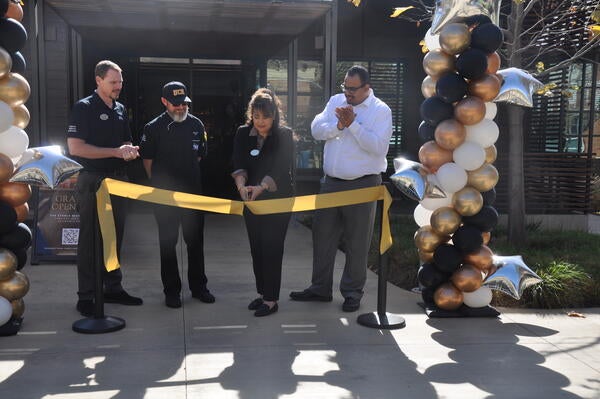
169, 219
266, 234
87, 184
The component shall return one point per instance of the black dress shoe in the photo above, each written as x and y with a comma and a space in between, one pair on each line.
308, 295
351, 304
122, 298
173, 301
265, 310
255, 304
204, 296
85, 307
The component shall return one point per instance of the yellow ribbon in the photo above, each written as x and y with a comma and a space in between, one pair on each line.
230, 207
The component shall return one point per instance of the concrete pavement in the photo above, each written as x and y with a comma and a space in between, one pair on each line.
306, 350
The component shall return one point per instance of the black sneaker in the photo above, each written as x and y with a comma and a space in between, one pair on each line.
122, 298
173, 301
204, 296
351, 304
265, 310
255, 304
85, 307
308, 295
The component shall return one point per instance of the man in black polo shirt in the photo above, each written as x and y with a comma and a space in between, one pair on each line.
171, 148
99, 138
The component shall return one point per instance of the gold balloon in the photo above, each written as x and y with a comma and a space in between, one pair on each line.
482, 259
445, 220
15, 11
450, 133
427, 240
487, 236
22, 212
428, 86
483, 179
425, 256
22, 116
448, 297
14, 194
18, 307
490, 270
493, 62
8, 264
491, 153
455, 38
486, 88
433, 156
5, 62
470, 110
467, 278
437, 62
6, 168
14, 89
15, 287
467, 201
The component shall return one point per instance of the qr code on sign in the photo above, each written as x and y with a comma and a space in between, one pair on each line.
70, 236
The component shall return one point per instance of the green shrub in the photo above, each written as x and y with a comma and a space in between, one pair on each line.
563, 286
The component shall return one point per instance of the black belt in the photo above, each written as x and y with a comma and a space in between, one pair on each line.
338, 179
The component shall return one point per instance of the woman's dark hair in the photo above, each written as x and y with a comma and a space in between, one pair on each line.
266, 102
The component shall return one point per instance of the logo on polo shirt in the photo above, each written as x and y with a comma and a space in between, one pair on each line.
103, 117
72, 129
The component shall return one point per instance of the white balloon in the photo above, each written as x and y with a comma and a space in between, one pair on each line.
469, 155
7, 116
484, 133
491, 109
432, 41
478, 298
13, 142
422, 215
5, 310
434, 203
452, 177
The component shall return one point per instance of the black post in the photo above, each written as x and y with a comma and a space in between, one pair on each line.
381, 319
99, 323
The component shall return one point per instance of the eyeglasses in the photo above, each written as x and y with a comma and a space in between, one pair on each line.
351, 89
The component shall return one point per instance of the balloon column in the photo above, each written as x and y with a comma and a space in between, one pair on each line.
19, 167
458, 134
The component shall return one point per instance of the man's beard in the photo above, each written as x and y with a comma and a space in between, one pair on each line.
177, 117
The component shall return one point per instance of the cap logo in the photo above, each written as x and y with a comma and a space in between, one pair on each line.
178, 92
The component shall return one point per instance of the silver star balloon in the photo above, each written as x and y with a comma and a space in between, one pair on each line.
415, 181
512, 276
447, 11
518, 87
44, 166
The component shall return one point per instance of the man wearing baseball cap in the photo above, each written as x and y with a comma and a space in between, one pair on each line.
172, 147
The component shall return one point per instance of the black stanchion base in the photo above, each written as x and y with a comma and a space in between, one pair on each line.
91, 325
385, 321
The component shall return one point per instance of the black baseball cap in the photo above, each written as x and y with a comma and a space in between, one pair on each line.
175, 93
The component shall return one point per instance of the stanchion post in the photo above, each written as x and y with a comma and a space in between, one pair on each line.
381, 319
99, 323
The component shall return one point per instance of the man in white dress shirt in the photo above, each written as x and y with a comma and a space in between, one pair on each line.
356, 127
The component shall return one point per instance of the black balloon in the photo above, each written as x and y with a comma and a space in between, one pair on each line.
21, 255
430, 277
487, 37
485, 220
489, 197
426, 132
434, 110
18, 238
3, 7
18, 63
467, 239
451, 87
447, 258
477, 20
12, 35
472, 63
427, 295
8, 218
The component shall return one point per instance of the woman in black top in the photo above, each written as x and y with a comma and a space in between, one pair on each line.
263, 160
